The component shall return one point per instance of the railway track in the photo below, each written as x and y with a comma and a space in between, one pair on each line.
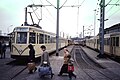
22, 66
91, 69
13, 69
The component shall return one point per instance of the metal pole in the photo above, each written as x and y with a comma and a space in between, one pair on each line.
57, 30
25, 23
101, 33
103, 17
83, 31
94, 21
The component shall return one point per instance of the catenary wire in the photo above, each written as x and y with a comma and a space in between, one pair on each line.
112, 7
108, 3
63, 4
51, 3
114, 13
48, 12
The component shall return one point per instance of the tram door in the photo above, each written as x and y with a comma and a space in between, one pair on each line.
113, 44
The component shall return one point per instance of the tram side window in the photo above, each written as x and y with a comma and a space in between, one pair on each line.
21, 37
41, 39
37, 38
117, 41
105, 41
45, 38
32, 38
113, 41
48, 39
108, 41
98, 41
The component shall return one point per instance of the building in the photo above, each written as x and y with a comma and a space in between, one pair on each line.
112, 29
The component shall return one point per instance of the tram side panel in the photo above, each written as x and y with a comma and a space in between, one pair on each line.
115, 44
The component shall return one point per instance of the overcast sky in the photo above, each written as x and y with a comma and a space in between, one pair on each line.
12, 15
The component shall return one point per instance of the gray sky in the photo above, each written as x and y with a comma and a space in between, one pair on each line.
12, 15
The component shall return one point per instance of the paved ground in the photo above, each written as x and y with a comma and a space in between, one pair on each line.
56, 63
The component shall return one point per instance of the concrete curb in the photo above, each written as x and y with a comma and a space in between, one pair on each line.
93, 59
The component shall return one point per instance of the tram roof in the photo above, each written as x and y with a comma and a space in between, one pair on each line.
34, 28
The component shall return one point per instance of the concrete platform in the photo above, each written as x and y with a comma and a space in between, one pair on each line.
104, 62
56, 63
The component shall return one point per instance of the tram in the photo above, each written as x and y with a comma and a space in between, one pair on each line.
33, 34
22, 36
111, 44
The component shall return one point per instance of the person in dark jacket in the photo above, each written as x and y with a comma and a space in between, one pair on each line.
31, 55
31, 52
10, 44
45, 56
3, 49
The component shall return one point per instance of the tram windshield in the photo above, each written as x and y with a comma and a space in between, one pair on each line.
21, 38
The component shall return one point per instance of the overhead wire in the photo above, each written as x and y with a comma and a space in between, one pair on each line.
63, 4
51, 3
48, 11
114, 13
108, 3
35, 13
82, 2
112, 6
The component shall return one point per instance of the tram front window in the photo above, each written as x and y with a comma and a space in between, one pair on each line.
21, 38
32, 38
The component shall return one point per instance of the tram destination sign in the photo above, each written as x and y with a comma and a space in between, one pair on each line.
22, 29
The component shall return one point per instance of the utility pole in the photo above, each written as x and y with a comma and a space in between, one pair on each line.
94, 21
101, 32
83, 31
57, 30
